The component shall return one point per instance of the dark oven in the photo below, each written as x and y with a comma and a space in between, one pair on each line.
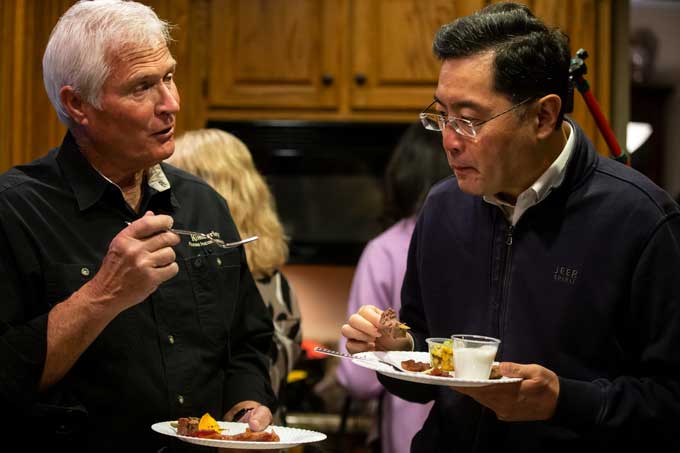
326, 179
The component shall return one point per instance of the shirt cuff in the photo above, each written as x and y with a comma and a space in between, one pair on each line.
579, 403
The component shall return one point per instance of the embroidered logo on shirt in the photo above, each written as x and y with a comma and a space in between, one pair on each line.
202, 241
565, 275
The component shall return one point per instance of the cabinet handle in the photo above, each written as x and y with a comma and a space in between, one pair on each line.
360, 79
327, 80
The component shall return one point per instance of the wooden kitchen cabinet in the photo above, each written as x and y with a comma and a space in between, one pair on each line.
361, 60
333, 58
392, 65
274, 54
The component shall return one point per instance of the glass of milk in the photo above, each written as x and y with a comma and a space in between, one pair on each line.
473, 356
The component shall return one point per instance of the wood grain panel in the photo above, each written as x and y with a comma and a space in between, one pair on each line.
392, 62
267, 55
28, 124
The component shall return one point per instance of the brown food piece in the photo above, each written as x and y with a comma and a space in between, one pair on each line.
255, 436
412, 365
495, 372
247, 436
187, 426
436, 371
389, 324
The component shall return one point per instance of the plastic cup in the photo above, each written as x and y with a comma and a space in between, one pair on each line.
473, 355
441, 354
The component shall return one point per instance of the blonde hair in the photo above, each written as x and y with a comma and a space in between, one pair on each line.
225, 163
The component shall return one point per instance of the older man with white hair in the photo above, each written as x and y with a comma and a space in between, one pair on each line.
109, 322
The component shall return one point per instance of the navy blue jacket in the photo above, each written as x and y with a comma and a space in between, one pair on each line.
586, 284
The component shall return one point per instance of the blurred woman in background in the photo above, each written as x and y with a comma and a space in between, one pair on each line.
224, 162
417, 162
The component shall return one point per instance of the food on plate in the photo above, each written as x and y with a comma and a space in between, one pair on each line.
438, 372
495, 372
441, 353
207, 423
208, 428
255, 436
389, 324
186, 426
412, 365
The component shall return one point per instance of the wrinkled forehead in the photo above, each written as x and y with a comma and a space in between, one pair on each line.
138, 61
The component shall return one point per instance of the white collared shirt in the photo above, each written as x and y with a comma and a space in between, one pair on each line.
537, 192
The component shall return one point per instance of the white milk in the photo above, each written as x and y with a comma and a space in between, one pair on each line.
474, 363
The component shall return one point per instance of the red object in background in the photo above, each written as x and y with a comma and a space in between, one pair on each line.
308, 347
577, 70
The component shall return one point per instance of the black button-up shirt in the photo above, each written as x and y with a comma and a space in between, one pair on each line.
198, 344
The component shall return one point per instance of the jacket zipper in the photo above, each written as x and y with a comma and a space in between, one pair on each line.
506, 279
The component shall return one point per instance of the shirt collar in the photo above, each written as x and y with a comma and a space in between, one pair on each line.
89, 186
551, 178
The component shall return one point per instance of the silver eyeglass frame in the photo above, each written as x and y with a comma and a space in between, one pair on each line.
429, 120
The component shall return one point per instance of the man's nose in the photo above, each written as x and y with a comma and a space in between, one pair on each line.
452, 141
169, 99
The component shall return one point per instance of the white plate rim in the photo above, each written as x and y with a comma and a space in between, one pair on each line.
302, 436
397, 357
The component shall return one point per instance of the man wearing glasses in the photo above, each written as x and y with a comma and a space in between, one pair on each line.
568, 257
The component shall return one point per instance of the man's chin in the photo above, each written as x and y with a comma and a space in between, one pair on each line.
166, 150
470, 187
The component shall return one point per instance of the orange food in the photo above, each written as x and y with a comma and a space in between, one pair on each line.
208, 423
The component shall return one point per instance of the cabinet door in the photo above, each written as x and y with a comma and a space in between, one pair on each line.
392, 62
269, 53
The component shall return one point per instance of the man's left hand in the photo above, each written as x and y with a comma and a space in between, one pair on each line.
258, 418
534, 398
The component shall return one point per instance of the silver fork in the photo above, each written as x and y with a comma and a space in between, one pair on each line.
212, 240
345, 355
218, 242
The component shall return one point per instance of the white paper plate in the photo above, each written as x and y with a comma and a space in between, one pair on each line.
289, 437
396, 357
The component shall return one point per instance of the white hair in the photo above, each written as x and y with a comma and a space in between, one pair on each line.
78, 52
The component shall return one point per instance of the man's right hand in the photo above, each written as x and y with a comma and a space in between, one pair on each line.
138, 260
363, 335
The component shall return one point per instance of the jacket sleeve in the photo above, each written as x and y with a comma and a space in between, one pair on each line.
250, 341
412, 314
644, 403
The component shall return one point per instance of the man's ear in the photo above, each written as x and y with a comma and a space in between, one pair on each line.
74, 105
548, 111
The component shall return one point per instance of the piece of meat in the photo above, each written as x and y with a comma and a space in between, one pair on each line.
436, 371
254, 436
412, 365
187, 426
389, 324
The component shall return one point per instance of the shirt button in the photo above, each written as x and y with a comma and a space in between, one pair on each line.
198, 262
180, 399
84, 271
171, 339
219, 261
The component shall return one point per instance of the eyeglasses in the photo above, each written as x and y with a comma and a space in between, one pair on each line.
467, 128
